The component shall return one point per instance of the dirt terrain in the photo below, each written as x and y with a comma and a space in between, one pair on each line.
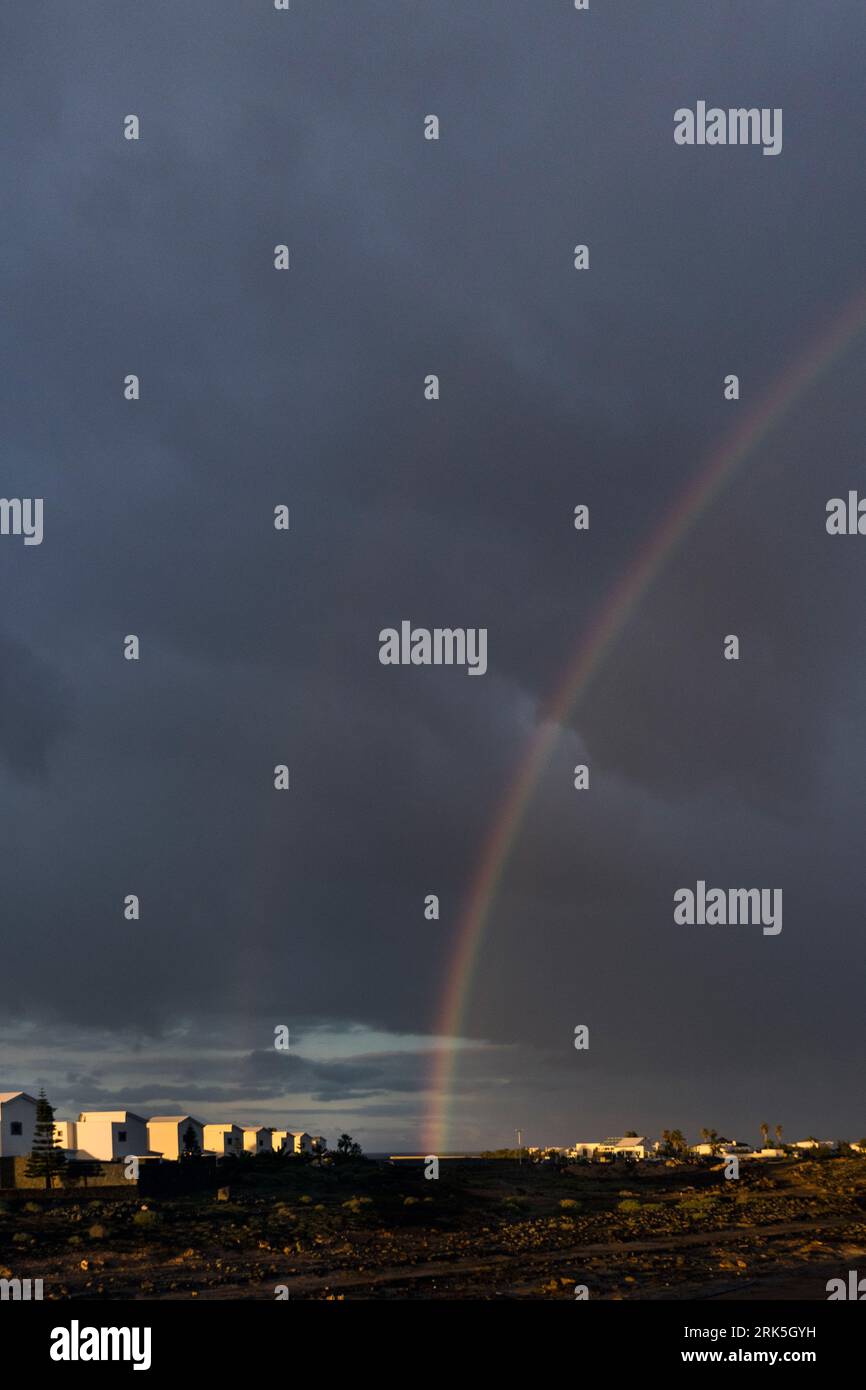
484, 1230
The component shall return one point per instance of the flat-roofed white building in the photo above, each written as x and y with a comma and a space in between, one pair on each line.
65, 1135
584, 1149
110, 1134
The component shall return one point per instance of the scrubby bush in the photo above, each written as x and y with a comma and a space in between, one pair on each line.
357, 1204
697, 1206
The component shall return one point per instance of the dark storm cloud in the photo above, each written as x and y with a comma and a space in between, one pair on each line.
305, 388
33, 709
256, 1079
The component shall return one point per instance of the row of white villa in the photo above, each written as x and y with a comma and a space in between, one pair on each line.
114, 1134
635, 1148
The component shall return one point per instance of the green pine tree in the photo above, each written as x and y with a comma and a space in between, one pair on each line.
46, 1157
191, 1146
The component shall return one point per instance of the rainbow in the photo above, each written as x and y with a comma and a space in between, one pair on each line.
619, 606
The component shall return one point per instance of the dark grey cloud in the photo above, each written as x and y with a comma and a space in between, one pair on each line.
557, 388
34, 712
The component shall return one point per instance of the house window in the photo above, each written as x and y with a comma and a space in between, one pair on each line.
121, 1136
16, 1127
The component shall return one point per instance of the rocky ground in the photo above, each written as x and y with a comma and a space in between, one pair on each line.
482, 1231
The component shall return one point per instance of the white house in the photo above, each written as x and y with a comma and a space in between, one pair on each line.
629, 1146
295, 1141
584, 1149
816, 1144
224, 1140
166, 1133
110, 1134
65, 1136
17, 1123
257, 1139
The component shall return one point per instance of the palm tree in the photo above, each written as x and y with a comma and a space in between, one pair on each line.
673, 1142
778, 1133
765, 1135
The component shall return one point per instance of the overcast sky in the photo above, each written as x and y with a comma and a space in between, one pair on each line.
258, 647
